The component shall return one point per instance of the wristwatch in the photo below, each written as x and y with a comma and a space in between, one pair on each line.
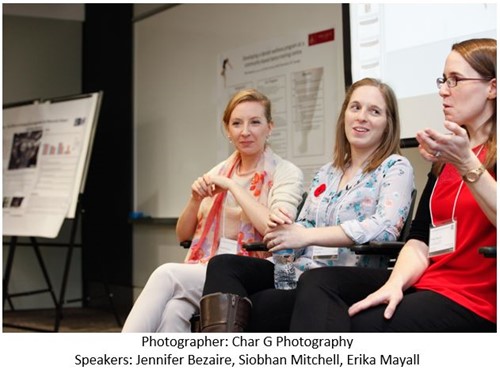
473, 175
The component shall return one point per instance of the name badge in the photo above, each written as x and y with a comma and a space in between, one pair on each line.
442, 239
227, 246
325, 253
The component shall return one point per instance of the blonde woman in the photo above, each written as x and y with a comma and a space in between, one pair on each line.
229, 206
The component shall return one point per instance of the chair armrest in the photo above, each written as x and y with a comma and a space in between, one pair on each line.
488, 252
391, 249
185, 244
255, 247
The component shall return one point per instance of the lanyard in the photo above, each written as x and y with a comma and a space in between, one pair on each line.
456, 196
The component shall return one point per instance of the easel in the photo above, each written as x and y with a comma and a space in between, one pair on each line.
58, 303
8, 270
86, 112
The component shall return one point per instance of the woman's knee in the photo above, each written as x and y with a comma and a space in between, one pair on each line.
160, 276
222, 260
230, 264
164, 270
222, 264
177, 272
319, 276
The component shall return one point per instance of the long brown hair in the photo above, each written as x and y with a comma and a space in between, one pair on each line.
390, 140
481, 55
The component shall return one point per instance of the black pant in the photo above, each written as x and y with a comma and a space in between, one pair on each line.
252, 278
324, 295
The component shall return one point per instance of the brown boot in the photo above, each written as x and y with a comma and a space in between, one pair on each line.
224, 312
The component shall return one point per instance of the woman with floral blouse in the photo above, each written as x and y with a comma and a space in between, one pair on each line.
363, 195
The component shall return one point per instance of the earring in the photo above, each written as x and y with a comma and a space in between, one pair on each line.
229, 138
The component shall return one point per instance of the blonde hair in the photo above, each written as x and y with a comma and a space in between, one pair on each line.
247, 95
390, 143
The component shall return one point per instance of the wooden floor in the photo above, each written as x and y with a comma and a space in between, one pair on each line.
86, 320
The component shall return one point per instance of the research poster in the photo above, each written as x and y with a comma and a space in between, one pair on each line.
45, 150
298, 74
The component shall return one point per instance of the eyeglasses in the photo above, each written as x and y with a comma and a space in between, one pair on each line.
453, 80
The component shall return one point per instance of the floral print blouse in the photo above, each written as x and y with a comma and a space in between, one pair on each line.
372, 206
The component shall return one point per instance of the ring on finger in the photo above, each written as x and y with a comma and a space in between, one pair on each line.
437, 154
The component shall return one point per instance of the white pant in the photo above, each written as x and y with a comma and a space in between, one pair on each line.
171, 296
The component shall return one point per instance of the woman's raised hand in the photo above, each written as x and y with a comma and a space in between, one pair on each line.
202, 187
452, 147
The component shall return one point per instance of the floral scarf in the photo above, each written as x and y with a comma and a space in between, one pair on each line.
206, 239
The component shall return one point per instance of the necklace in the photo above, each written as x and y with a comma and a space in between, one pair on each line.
240, 173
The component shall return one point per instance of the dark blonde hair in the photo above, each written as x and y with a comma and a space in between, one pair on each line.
481, 55
390, 140
247, 95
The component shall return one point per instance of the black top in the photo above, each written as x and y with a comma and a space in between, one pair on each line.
420, 225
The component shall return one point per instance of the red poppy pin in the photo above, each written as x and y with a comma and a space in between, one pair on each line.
319, 190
